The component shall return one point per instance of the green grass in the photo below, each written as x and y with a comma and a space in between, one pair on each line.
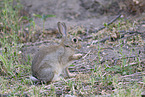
9, 38
103, 79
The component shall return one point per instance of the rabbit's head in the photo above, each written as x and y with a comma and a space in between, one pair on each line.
67, 39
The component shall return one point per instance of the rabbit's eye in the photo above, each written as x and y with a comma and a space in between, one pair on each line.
75, 40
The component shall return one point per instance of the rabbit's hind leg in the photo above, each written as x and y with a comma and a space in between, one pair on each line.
57, 77
46, 74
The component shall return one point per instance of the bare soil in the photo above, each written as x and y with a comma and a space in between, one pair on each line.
87, 17
76, 12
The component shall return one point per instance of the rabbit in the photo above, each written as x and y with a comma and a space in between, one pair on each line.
49, 62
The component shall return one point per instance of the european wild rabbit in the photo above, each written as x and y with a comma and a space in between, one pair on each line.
49, 62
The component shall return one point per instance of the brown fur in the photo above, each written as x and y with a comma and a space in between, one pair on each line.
49, 62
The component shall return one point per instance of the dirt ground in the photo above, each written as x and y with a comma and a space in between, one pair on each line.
76, 12
87, 16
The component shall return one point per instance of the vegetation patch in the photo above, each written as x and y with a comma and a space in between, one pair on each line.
112, 65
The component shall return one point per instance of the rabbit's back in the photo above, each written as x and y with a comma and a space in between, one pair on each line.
46, 54
46, 63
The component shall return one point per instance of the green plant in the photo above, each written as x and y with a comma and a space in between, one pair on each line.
43, 18
123, 89
9, 38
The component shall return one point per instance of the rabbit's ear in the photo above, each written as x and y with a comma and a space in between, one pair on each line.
62, 28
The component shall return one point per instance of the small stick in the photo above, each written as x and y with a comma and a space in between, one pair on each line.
86, 54
113, 20
121, 37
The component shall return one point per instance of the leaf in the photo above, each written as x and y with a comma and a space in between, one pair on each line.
11, 73
44, 17
22, 66
50, 15
109, 69
105, 24
25, 17
37, 15
3, 60
72, 65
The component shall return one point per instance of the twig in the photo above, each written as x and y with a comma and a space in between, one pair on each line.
122, 36
134, 63
130, 32
101, 28
86, 54
138, 73
116, 59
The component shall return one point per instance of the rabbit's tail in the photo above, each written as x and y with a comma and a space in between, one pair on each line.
34, 78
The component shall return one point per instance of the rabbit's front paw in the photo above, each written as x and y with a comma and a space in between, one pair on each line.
72, 74
77, 56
